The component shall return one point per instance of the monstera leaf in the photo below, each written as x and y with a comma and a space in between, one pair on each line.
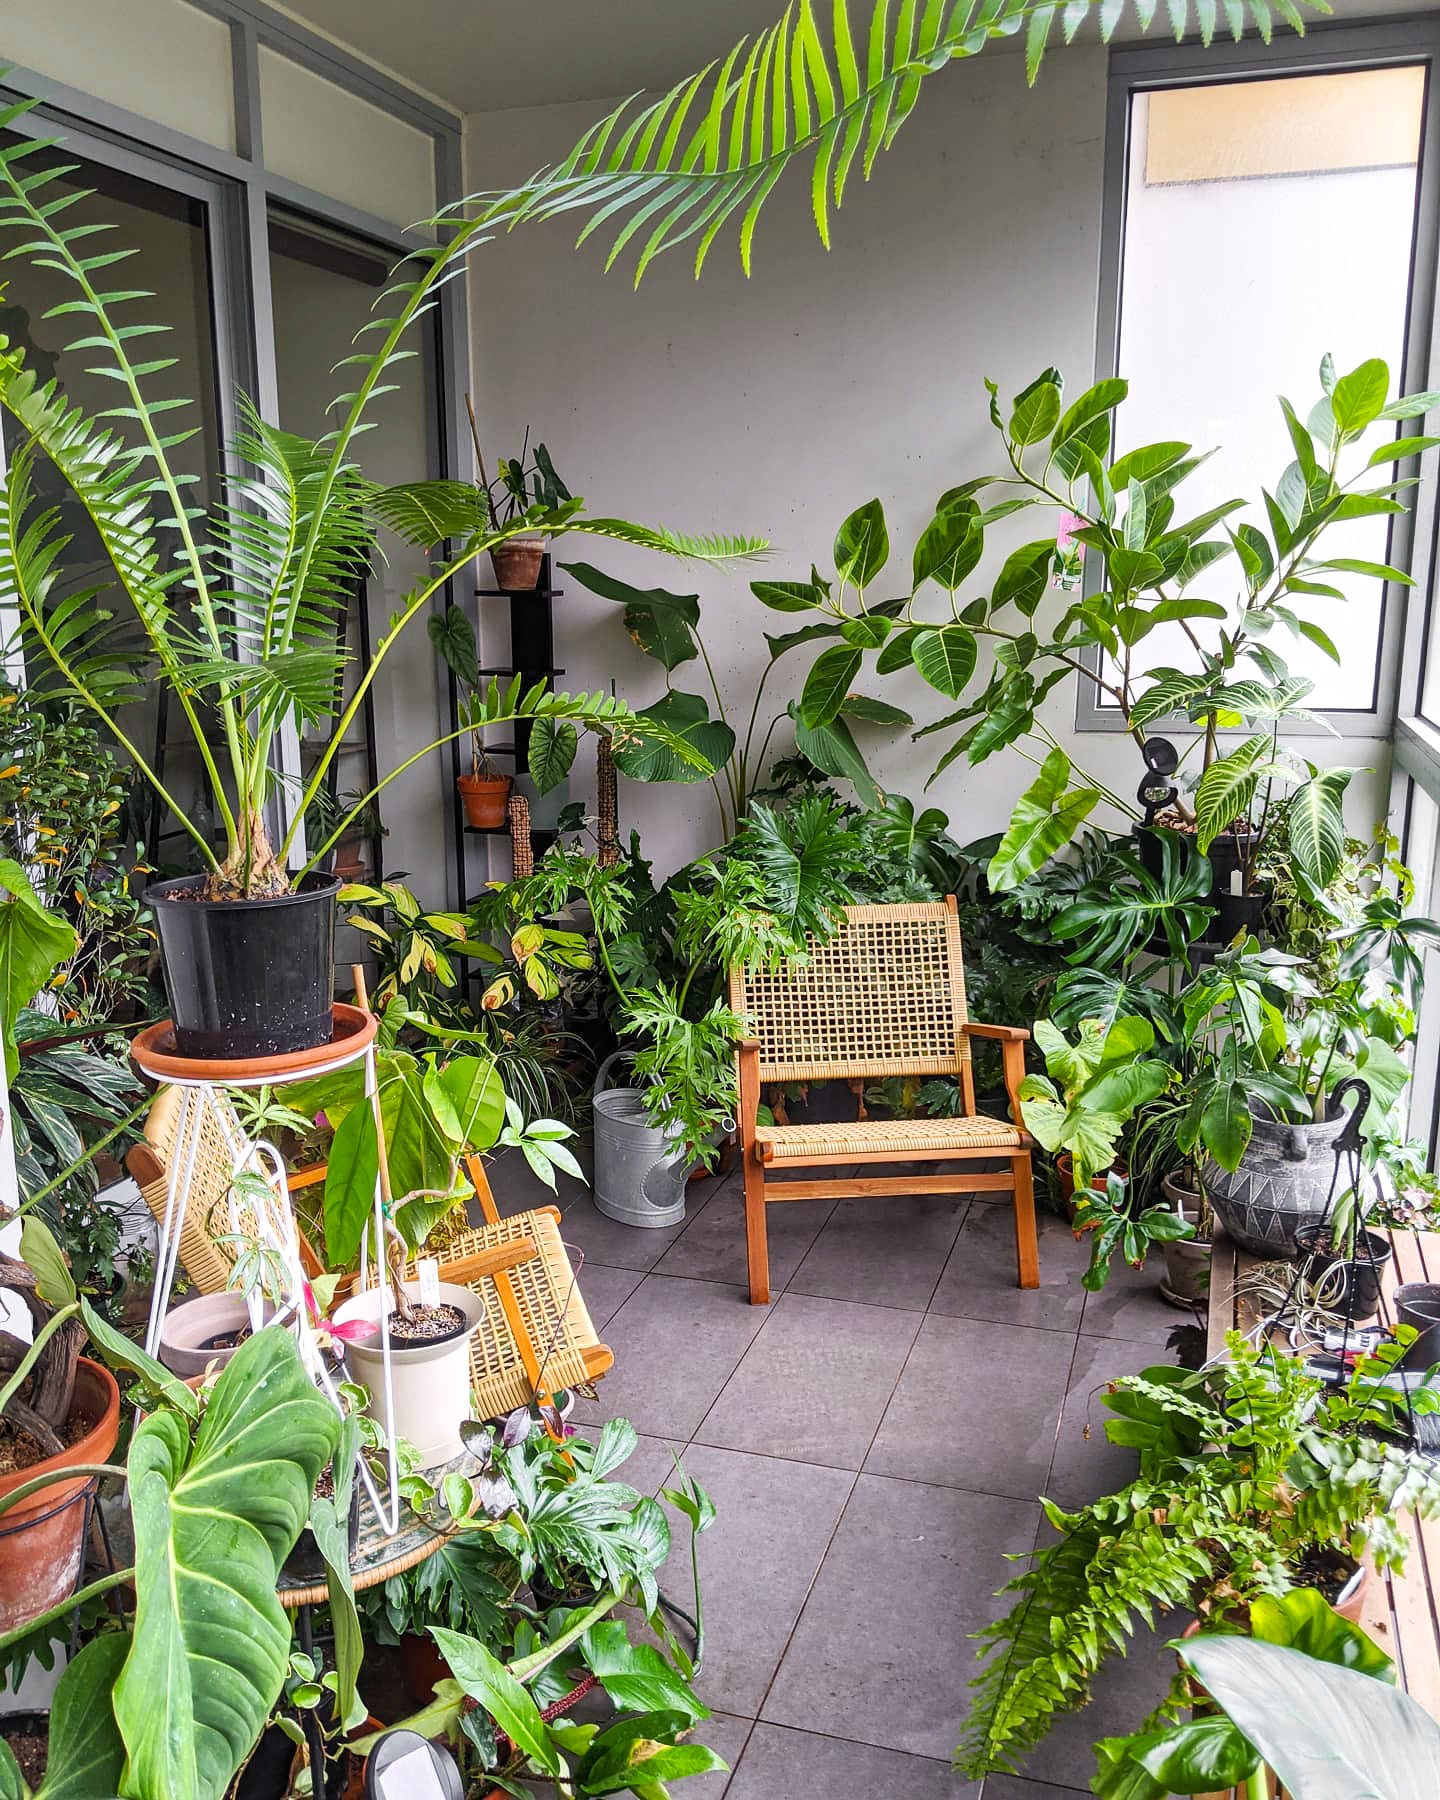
212, 1525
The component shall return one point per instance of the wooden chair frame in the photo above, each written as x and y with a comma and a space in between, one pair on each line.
853, 1145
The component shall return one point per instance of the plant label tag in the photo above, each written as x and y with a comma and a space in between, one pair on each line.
428, 1272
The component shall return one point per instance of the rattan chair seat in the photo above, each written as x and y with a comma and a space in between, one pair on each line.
908, 1138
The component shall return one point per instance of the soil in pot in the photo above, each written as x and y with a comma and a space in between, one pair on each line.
427, 1324
516, 563
247, 977
43, 1540
485, 800
28, 1735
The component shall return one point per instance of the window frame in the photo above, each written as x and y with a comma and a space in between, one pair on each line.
1326, 50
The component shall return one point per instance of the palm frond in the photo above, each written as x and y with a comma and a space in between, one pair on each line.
657, 173
713, 547
426, 513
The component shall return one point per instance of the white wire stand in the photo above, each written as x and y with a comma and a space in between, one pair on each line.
204, 1101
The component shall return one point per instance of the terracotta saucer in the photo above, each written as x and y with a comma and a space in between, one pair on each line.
154, 1051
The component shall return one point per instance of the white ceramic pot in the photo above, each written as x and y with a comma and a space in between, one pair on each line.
431, 1382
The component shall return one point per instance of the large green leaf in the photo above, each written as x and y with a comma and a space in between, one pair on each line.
1045, 819
688, 717
949, 547
33, 944
1227, 788
476, 1095
636, 1676
1315, 824
635, 1756
834, 751
828, 684
553, 743
212, 1526
1359, 397
508, 1703
1328, 1732
87, 1753
946, 658
1036, 411
350, 1178
661, 624
862, 545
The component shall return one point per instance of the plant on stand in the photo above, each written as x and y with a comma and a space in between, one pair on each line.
239, 626
520, 488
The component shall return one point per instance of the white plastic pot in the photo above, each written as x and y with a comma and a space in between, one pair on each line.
430, 1383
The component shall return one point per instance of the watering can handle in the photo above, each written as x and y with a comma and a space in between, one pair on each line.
602, 1074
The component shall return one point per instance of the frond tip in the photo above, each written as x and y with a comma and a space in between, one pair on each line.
658, 173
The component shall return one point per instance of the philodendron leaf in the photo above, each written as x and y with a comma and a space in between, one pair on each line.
212, 1526
87, 1753
553, 743
1226, 789
1329, 1733
508, 1703
661, 624
1045, 819
33, 943
636, 1676
688, 716
350, 1180
633, 1756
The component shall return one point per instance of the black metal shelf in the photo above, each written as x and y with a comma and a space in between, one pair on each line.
542, 592
505, 669
538, 834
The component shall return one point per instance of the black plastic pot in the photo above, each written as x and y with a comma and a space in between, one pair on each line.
1417, 1303
1352, 1283
248, 977
1235, 913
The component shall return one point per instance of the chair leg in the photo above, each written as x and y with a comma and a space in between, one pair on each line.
1027, 1247
756, 1246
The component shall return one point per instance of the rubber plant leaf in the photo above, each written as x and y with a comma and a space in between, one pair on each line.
213, 1523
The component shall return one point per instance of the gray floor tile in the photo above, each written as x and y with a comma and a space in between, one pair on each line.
979, 1279
882, 1641
815, 1382
1129, 1305
606, 1290
944, 1423
773, 1522
676, 1344
887, 1251
608, 1241
1086, 1463
1013, 1787
727, 1736
782, 1764
712, 1247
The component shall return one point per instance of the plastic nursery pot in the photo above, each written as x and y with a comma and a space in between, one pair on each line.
1417, 1304
484, 799
1187, 1260
1347, 1283
188, 1345
247, 977
431, 1380
42, 1539
516, 563
1235, 913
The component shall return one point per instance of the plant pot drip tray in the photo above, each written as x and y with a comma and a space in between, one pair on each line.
154, 1050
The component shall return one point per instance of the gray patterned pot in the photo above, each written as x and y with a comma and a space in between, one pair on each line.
1283, 1183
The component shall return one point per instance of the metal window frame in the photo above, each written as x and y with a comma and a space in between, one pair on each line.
238, 184
1326, 49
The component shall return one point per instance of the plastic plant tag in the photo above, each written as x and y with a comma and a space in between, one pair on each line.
427, 1271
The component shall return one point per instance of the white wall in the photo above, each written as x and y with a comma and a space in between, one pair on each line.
777, 404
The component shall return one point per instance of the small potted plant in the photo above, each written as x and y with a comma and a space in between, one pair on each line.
1093, 1087
485, 791
1122, 1224
520, 488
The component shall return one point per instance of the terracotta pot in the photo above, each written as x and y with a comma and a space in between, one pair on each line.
516, 563
484, 799
422, 1667
188, 1328
42, 1540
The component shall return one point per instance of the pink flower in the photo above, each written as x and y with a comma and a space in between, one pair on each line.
322, 1120
1070, 523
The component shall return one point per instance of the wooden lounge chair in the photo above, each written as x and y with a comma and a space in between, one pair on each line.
884, 996
536, 1336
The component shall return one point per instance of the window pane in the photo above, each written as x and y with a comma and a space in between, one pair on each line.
1266, 223
168, 231
324, 286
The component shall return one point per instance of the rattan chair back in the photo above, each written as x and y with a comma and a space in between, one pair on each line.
884, 996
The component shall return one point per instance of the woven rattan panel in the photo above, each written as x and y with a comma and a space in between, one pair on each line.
207, 1214
549, 1299
885, 996
906, 1137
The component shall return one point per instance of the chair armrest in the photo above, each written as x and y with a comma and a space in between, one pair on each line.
465, 1270
1003, 1034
